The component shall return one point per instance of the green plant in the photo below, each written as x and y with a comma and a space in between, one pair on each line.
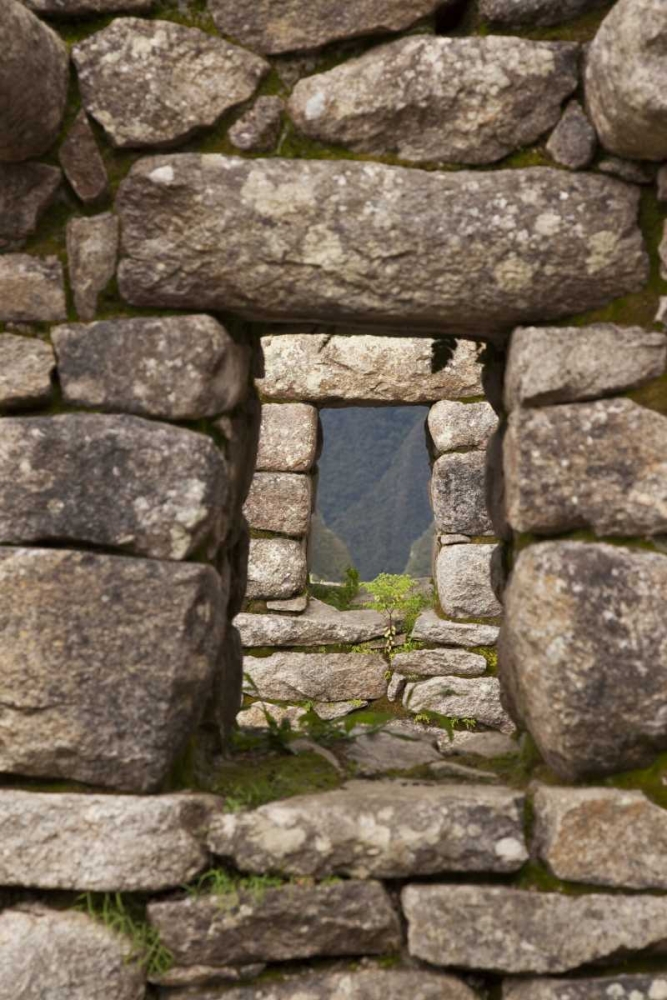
127, 919
228, 886
395, 597
339, 596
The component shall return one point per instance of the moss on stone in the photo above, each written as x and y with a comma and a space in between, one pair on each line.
581, 29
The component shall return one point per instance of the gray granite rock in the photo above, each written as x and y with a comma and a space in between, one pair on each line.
82, 161
457, 494
332, 370
33, 82
534, 13
632, 171
259, 129
288, 437
463, 580
174, 367
277, 567
509, 930
587, 465
155, 83
279, 924
26, 367
439, 663
280, 501
116, 481
287, 240
570, 364
295, 605
427, 98
103, 843
625, 78
455, 425
319, 625
105, 679
61, 955
430, 628
315, 676
26, 191
481, 744
309, 24
260, 714
329, 711
460, 698
576, 613
379, 829
373, 754
92, 251
646, 986
32, 289
182, 980
573, 142
76, 8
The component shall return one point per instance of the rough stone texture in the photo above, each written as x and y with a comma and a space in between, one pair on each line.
26, 366
155, 83
320, 625
26, 191
32, 289
573, 143
538, 13
61, 955
460, 698
308, 240
132, 644
276, 568
380, 830
625, 77
430, 628
103, 843
119, 481
239, 431
463, 579
294, 604
287, 437
74, 8
295, 921
482, 744
602, 836
568, 364
33, 83
309, 24
460, 425
605, 623
259, 129
624, 987
439, 663
280, 501
508, 930
431, 99
631, 171
318, 676
330, 710
598, 465
92, 250
82, 161
328, 369
380, 753
175, 367
257, 716
457, 494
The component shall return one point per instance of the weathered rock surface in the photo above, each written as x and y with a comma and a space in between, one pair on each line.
118, 481
73, 8
568, 364
296, 605
430, 628
455, 425
280, 501
260, 713
439, 663
276, 568
92, 250
573, 142
32, 289
645, 986
154, 83
538, 13
431, 99
259, 129
82, 162
383, 752
378, 829
605, 621
26, 191
599, 465
309, 24
330, 369
625, 78
103, 843
175, 367
61, 955
460, 698
287, 437
239, 431
308, 240
463, 579
602, 836
133, 645
33, 83
457, 494
294, 921
481, 744
319, 625
507, 930
318, 676
632, 171
26, 366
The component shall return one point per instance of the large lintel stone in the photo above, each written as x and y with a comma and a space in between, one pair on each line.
469, 254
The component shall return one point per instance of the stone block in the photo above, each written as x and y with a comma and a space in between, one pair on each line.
463, 579
26, 367
641, 986
439, 663
430, 628
26, 191
573, 143
79, 154
458, 496
475, 698
315, 676
288, 437
455, 425
92, 249
276, 568
281, 502
534, 13
319, 625
32, 289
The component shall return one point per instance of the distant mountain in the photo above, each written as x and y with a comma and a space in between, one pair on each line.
421, 554
329, 555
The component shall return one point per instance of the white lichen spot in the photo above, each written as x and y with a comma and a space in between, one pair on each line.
513, 274
603, 247
658, 990
315, 106
548, 224
510, 849
162, 175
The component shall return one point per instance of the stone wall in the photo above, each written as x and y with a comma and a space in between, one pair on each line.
215, 219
